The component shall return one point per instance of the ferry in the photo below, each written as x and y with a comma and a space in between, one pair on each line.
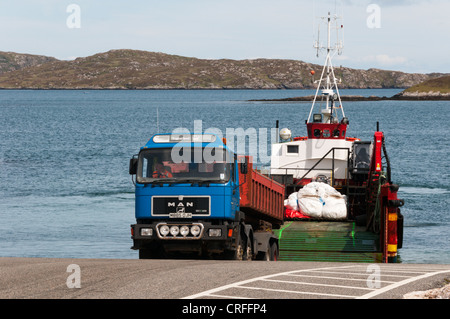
341, 204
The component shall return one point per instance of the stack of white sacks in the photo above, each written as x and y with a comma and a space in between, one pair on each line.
318, 200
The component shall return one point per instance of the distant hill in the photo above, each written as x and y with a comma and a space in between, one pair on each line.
10, 61
133, 69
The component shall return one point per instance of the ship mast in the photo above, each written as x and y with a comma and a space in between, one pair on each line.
328, 78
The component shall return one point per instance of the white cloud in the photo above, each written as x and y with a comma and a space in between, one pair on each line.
69, 58
385, 60
341, 58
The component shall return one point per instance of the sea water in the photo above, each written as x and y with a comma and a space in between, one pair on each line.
64, 184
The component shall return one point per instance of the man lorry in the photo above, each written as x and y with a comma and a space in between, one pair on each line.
194, 195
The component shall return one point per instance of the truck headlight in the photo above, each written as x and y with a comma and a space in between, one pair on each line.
146, 232
195, 230
164, 230
174, 230
215, 232
184, 231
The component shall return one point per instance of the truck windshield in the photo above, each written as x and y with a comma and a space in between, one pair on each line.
156, 165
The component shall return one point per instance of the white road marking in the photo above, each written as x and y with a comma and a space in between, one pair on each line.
340, 278
316, 284
401, 283
240, 283
247, 284
354, 273
298, 292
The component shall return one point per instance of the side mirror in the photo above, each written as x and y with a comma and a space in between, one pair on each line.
133, 166
244, 168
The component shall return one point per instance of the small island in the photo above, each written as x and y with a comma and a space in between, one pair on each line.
431, 90
434, 89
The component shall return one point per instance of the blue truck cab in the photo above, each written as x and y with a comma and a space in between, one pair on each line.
187, 196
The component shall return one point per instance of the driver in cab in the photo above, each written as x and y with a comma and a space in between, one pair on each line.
161, 172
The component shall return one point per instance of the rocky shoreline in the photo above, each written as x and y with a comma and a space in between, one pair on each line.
432, 95
349, 98
438, 293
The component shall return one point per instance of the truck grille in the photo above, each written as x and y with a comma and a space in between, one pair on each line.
181, 206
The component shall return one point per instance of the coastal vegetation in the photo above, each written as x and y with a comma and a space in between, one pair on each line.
438, 85
10, 61
433, 89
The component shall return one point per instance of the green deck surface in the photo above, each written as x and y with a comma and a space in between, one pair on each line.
327, 241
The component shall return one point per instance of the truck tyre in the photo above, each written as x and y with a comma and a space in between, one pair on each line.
236, 254
243, 249
264, 256
274, 252
248, 254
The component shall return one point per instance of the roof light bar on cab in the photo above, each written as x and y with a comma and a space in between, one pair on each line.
177, 138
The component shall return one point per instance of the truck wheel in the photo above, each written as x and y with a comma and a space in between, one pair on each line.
238, 253
264, 256
274, 252
234, 254
248, 255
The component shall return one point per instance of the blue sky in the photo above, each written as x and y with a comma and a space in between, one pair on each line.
413, 35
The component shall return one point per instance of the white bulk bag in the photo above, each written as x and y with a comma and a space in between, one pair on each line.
320, 200
311, 206
335, 208
292, 202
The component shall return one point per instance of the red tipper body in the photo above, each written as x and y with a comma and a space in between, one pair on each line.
261, 195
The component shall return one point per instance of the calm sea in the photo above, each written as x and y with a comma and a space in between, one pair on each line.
64, 184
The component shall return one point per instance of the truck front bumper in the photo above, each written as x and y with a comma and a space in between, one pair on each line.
182, 235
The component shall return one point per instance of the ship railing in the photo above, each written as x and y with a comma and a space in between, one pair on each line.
299, 181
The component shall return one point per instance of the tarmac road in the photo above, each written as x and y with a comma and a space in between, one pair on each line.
47, 278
